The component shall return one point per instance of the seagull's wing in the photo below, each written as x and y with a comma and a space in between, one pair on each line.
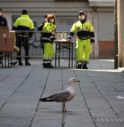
58, 97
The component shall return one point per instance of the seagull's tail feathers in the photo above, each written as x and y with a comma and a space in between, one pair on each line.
47, 99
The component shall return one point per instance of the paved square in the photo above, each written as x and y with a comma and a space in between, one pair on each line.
95, 104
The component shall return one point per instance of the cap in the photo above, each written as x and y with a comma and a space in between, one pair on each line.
24, 11
82, 13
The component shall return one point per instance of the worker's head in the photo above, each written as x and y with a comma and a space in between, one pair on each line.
1, 11
24, 12
51, 18
82, 16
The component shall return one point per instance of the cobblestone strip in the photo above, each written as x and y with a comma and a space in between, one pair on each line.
86, 102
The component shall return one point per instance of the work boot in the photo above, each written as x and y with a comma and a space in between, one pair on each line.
45, 65
20, 63
50, 65
79, 65
27, 63
84, 66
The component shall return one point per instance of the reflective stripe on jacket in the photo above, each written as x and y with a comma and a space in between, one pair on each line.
82, 30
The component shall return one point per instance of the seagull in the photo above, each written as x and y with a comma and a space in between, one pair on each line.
63, 96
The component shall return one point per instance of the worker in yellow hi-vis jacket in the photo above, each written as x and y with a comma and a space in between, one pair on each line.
48, 36
85, 36
23, 25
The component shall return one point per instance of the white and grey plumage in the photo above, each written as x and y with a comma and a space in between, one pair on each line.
63, 96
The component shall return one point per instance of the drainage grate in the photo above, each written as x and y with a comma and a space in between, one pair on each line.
108, 120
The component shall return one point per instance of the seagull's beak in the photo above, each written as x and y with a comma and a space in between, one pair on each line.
77, 80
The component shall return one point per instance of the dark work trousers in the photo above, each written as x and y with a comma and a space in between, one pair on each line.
23, 41
0, 57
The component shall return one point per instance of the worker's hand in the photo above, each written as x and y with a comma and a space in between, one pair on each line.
69, 38
92, 41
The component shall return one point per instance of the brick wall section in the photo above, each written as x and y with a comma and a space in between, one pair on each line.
106, 49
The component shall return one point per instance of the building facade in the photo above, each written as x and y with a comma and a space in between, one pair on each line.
101, 14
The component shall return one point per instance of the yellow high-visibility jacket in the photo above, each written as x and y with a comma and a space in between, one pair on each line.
24, 21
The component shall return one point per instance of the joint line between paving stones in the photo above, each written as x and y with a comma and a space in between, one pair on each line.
106, 100
7, 75
63, 113
62, 79
39, 101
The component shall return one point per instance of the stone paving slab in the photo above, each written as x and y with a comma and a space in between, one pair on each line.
95, 104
